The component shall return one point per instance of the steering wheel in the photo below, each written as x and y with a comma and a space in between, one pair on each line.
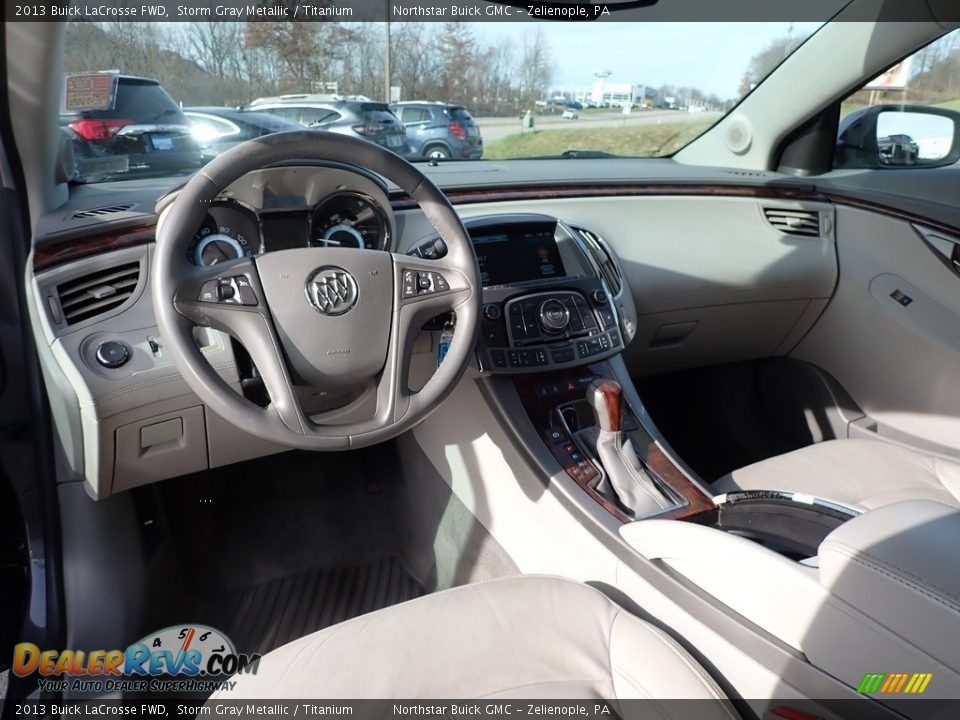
316, 320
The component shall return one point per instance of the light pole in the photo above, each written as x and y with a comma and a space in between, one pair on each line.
386, 59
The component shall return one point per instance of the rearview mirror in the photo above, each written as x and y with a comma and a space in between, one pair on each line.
898, 136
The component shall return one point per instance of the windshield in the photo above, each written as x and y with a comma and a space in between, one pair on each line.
456, 91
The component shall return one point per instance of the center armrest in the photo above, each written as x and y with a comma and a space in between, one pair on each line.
899, 565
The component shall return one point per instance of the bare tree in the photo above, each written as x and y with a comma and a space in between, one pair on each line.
536, 67
763, 63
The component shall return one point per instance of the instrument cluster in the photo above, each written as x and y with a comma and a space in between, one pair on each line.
346, 218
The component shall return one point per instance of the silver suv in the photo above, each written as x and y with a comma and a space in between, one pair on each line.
360, 117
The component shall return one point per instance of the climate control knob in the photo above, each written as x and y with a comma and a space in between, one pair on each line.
599, 297
554, 315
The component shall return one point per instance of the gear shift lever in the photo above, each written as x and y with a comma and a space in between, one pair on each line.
626, 481
606, 398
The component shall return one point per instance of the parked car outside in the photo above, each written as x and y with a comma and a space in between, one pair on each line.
362, 118
220, 128
144, 132
440, 130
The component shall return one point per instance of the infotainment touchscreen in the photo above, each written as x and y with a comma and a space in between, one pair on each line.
517, 253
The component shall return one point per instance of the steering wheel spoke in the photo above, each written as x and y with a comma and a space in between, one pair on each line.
208, 292
229, 298
430, 287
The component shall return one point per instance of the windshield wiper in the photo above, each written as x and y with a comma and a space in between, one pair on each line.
587, 154
574, 155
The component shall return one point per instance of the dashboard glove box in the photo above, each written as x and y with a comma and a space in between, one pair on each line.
898, 565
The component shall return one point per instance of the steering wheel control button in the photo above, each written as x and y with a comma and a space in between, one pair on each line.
331, 290
112, 354
554, 316
409, 283
208, 292
228, 291
225, 291
245, 293
423, 282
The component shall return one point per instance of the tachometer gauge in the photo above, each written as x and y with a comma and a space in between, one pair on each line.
350, 219
343, 236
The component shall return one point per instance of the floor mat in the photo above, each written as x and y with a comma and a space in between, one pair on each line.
264, 617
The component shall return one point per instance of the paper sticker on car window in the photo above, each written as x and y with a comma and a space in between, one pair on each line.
89, 91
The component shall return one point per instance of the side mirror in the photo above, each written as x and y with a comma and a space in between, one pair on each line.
898, 136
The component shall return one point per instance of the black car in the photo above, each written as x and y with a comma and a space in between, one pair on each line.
220, 128
145, 132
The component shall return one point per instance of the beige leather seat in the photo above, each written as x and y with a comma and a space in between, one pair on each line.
862, 473
530, 637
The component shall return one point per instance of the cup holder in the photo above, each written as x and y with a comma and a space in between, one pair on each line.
791, 524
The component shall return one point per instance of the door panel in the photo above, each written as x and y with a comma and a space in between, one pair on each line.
891, 334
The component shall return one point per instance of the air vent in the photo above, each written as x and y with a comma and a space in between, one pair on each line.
99, 212
794, 222
604, 258
98, 292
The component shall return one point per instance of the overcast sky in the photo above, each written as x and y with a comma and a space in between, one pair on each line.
710, 56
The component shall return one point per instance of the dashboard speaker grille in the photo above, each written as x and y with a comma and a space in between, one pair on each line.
793, 222
608, 266
98, 292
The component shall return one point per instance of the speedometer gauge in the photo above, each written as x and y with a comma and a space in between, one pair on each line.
350, 219
229, 231
217, 247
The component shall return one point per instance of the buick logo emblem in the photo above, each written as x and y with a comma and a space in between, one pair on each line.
331, 290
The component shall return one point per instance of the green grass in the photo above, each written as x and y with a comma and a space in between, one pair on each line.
949, 104
637, 141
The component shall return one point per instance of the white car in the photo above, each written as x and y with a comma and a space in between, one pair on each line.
570, 114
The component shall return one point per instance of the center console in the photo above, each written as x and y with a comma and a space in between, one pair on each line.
550, 299
555, 307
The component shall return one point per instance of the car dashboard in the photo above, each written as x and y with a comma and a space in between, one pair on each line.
554, 297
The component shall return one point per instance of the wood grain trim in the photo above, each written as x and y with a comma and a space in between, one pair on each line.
698, 503
402, 201
806, 192
68, 250
573, 384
